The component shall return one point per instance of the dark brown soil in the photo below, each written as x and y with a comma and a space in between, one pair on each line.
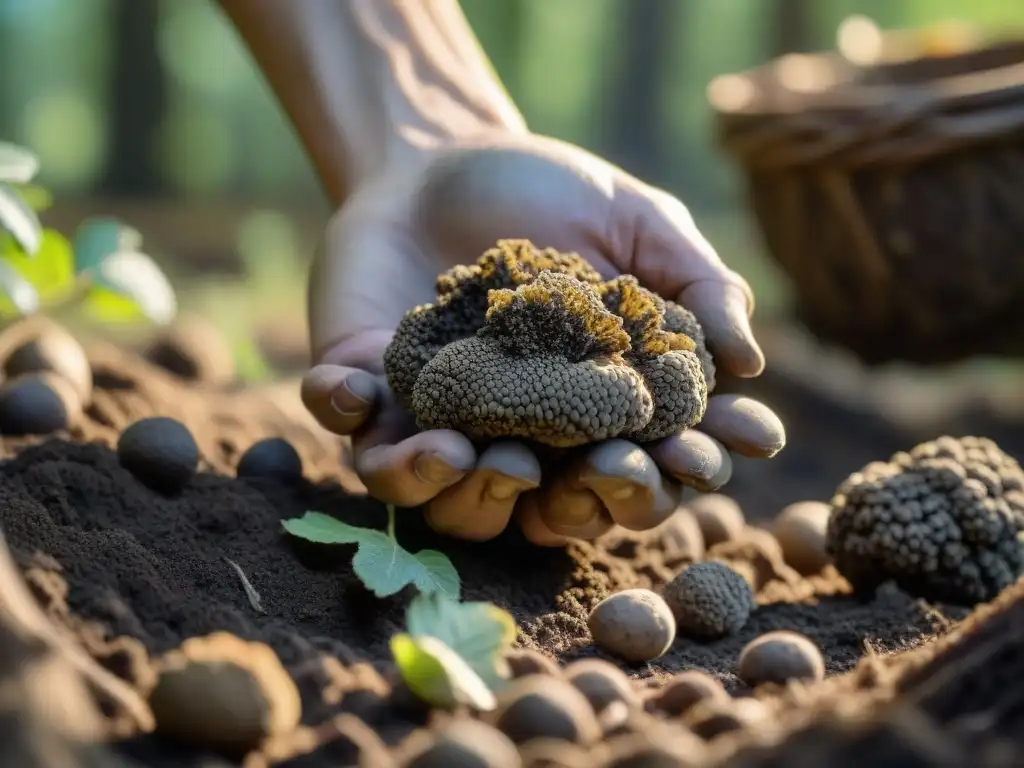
133, 573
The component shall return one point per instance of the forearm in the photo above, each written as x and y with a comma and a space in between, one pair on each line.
366, 82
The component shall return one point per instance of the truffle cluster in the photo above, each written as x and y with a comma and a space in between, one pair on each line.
533, 344
944, 521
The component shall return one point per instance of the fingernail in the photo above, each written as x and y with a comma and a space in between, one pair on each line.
353, 396
501, 488
750, 357
431, 468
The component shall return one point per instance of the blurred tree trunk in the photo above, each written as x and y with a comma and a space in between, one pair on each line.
791, 27
634, 137
137, 99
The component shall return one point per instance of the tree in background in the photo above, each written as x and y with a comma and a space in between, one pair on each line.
137, 98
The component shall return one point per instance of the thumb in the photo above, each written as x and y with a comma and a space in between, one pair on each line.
341, 391
670, 256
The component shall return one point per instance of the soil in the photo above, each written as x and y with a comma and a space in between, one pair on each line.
132, 574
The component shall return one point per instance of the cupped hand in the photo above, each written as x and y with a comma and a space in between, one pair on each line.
381, 256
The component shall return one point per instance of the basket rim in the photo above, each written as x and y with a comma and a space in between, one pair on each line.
853, 95
845, 122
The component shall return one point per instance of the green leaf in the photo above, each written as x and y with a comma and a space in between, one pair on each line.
383, 566
98, 238
51, 271
386, 568
19, 219
129, 286
18, 165
37, 198
438, 675
18, 297
479, 632
324, 529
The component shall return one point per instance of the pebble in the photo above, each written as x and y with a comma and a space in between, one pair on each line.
160, 452
194, 349
686, 689
719, 517
780, 657
223, 693
680, 537
713, 718
466, 743
602, 683
45, 346
801, 531
543, 708
38, 404
526, 661
642, 750
272, 457
635, 624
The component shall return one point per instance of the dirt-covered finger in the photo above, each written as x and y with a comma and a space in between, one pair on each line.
694, 459
723, 309
480, 505
415, 470
568, 508
628, 483
745, 426
340, 398
528, 517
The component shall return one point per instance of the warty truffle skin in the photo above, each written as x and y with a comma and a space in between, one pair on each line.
709, 600
532, 344
945, 521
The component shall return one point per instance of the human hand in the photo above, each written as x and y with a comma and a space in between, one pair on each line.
381, 256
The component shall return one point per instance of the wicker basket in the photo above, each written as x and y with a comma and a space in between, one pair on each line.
892, 196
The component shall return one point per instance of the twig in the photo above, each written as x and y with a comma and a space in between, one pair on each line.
250, 592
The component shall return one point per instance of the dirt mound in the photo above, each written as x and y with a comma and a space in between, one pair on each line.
133, 573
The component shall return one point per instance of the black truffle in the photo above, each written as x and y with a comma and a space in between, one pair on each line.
37, 404
944, 521
44, 346
273, 457
709, 600
160, 452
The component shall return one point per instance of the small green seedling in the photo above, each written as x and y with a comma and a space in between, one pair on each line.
104, 270
454, 653
380, 561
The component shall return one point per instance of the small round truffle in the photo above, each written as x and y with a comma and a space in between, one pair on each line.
544, 708
526, 661
800, 530
720, 517
779, 657
272, 457
635, 624
602, 683
684, 690
466, 743
44, 346
223, 693
160, 452
38, 404
713, 718
709, 600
